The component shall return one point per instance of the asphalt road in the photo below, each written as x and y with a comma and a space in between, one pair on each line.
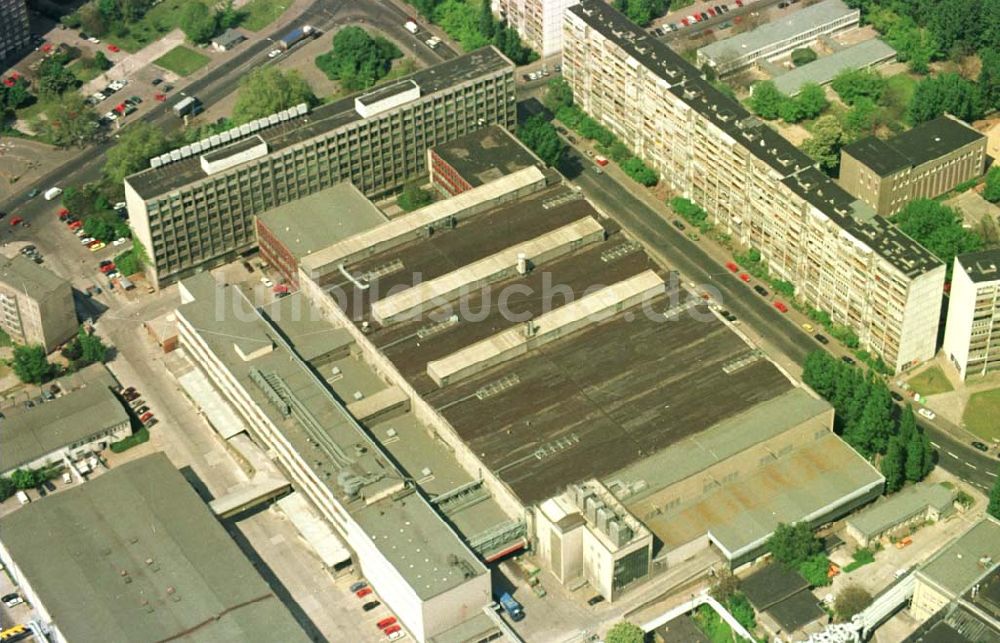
680, 253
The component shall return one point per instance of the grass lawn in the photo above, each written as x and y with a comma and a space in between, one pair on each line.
981, 414
258, 14
84, 73
930, 382
182, 61
897, 96
159, 20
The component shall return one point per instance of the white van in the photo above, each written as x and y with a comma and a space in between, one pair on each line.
23, 498
52, 193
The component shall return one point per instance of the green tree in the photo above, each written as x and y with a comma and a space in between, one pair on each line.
992, 190
54, 79
641, 12
893, 465
938, 228
850, 601
824, 144
993, 508
803, 56
25, 479
790, 111
268, 90
640, 172
793, 544
861, 120
945, 93
102, 62
625, 632
228, 16
99, 228
487, 23
815, 569
7, 489
461, 20
68, 121
854, 84
811, 100
31, 365
137, 144
558, 94
741, 609
541, 137
507, 40
357, 59
414, 197
15, 96
198, 22
92, 349
765, 100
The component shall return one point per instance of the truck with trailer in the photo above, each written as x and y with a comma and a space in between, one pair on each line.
295, 36
188, 106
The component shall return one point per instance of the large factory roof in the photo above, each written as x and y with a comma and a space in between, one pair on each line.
597, 399
685, 82
155, 182
136, 555
252, 349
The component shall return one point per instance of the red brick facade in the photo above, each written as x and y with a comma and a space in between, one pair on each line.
277, 255
445, 176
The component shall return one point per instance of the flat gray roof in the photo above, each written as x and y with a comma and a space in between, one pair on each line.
486, 154
154, 182
801, 176
57, 424
900, 506
135, 555
822, 71
914, 147
322, 219
981, 266
790, 26
21, 273
325, 430
956, 567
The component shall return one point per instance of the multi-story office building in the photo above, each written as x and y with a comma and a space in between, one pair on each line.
539, 22
928, 160
972, 333
778, 37
761, 190
36, 305
15, 33
196, 205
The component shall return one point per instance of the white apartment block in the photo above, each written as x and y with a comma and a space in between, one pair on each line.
539, 22
972, 333
777, 38
36, 305
757, 187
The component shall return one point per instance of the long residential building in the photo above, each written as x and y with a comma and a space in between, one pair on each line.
538, 22
195, 206
756, 186
972, 332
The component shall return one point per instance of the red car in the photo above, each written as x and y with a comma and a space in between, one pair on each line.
745, 277
386, 622
145, 417
600, 160
710, 11
160, 97
16, 220
732, 267
76, 225
781, 306
684, 21
392, 629
739, 3
364, 591
113, 49
108, 268
120, 108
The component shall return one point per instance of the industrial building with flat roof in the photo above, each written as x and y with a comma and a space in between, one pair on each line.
136, 555
924, 162
916, 504
291, 231
195, 206
756, 186
559, 362
266, 364
778, 37
36, 305
972, 332
477, 158
64, 430
862, 55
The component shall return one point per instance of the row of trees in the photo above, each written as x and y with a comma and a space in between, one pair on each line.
31, 365
357, 59
866, 420
541, 138
949, 93
642, 12
200, 23
768, 102
474, 28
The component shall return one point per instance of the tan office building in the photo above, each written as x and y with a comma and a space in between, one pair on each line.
195, 207
36, 305
756, 186
972, 333
928, 160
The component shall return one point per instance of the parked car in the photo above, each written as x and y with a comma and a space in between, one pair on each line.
927, 413
113, 49
848, 360
780, 305
12, 600
821, 339
369, 606
896, 396
364, 591
678, 224
151, 423
16, 220
594, 600
760, 290
386, 622
141, 410
732, 267
267, 282
274, 53
358, 585
744, 277
980, 446
145, 417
